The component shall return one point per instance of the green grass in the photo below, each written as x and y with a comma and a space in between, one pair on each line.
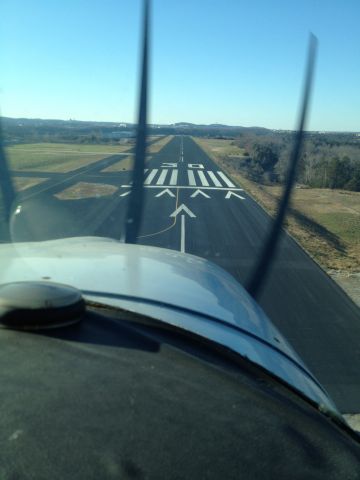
57, 157
70, 147
345, 225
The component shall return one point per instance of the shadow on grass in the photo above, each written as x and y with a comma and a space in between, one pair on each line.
308, 224
319, 230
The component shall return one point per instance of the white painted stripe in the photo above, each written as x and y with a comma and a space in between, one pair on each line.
226, 189
182, 241
203, 179
151, 176
162, 177
191, 177
173, 178
213, 177
125, 194
226, 180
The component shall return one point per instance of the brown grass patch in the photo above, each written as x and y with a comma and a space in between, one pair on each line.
86, 190
24, 183
159, 144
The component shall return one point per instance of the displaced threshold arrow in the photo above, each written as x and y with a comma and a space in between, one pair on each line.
169, 192
185, 209
230, 193
199, 192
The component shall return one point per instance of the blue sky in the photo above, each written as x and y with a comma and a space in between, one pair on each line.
226, 61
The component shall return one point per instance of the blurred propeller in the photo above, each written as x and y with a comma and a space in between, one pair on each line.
136, 199
268, 253
6, 185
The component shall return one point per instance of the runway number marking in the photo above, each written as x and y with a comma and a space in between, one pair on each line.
169, 165
196, 166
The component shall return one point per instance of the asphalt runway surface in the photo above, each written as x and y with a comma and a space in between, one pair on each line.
194, 207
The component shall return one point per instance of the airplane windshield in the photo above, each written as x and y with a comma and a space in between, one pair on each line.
185, 143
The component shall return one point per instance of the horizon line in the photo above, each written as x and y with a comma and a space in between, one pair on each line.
177, 123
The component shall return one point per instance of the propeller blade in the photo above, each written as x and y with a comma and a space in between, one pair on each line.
6, 185
258, 277
136, 199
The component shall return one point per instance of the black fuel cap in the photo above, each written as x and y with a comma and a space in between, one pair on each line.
39, 305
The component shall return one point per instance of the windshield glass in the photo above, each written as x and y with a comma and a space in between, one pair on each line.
224, 89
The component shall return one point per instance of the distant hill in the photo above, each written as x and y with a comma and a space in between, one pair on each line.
37, 129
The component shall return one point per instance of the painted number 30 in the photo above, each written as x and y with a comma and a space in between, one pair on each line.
194, 166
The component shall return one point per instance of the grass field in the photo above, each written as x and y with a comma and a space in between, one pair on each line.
126, 163
159, 143
325, 222
65, 157
58, 157
24, 183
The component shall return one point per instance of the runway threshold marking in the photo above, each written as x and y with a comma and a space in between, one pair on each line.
226, 180
196, 176
173, 178
189, 187
214, 179
191, 178
162, 177
203, 179
151, 176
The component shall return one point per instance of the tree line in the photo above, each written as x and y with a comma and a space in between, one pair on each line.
327, 160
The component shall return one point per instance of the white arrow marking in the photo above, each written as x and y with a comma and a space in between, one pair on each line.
195, 194
182, 239
229, 194
124, 194
165, 191
180, 209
